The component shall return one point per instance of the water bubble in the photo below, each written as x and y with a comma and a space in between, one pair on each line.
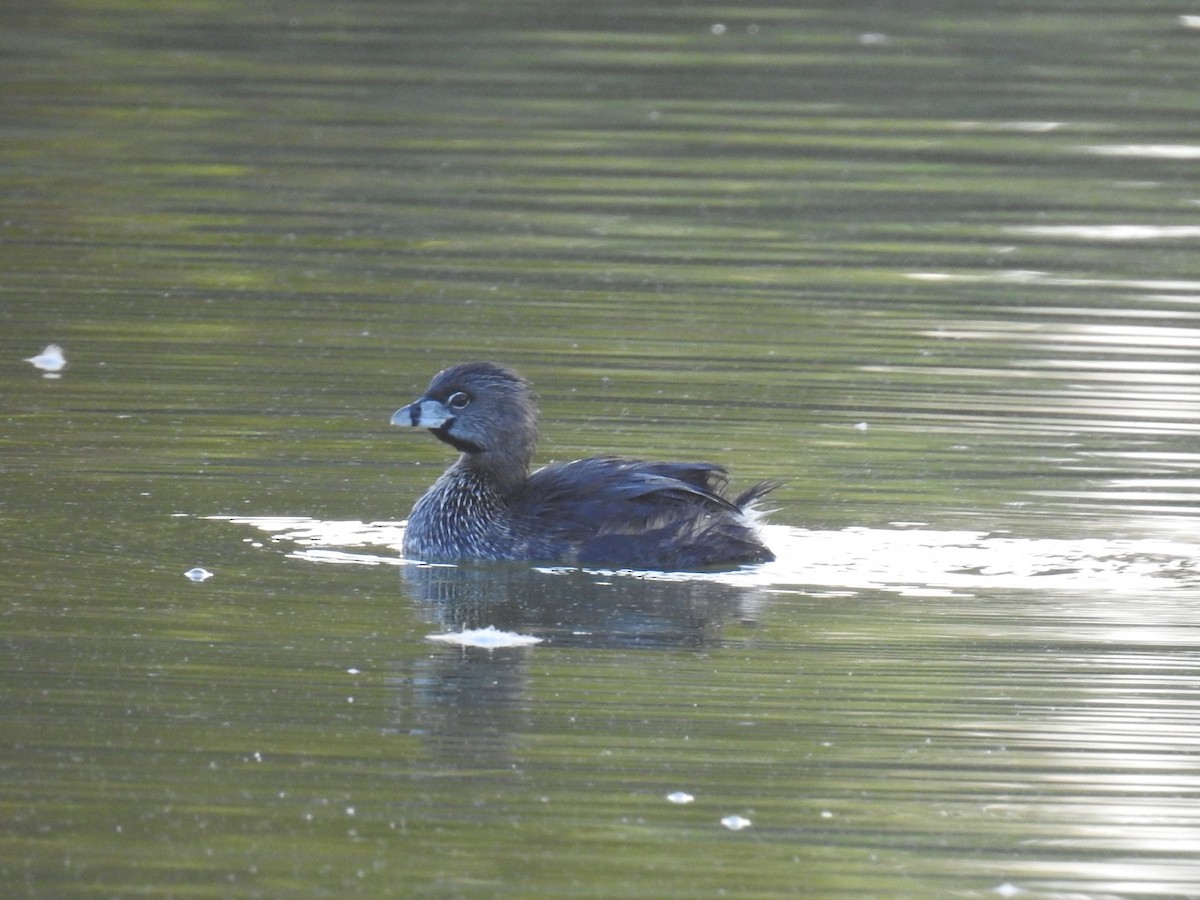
49, 360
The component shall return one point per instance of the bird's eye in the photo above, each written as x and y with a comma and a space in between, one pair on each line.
458, 400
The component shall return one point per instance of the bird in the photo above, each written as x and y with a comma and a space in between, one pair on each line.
603, 511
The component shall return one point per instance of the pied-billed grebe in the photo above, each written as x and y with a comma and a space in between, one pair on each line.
600, 511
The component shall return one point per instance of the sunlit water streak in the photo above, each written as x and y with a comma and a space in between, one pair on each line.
1147, 151
1111, 232
1034, 278
910, 560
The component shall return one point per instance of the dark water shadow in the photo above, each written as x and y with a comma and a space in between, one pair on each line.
469, 705
579, 608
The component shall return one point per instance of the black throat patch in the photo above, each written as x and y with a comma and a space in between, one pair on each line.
442, 433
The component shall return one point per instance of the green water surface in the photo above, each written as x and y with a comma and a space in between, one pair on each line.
933, 265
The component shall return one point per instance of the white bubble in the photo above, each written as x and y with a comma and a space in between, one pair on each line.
49, 360
489, 637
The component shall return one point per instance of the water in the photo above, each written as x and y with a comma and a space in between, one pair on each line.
934, 268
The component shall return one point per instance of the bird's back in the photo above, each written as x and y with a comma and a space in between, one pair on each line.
635, 514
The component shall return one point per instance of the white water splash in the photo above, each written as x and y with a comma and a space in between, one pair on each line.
909, 559
51, 360
489, 638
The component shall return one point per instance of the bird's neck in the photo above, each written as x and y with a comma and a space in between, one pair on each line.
492, 473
